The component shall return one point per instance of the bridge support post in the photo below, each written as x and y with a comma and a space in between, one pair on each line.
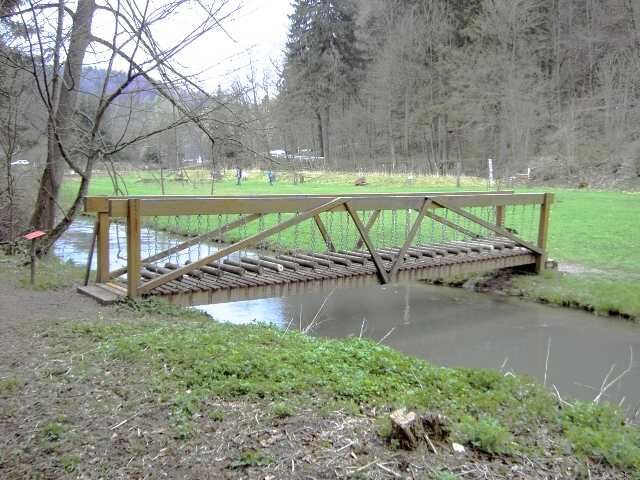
500, 215
133, 247
543, 231
102, 274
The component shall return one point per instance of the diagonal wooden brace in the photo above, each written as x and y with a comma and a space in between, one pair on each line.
247, 242
324, 232
372, 220
412, 233
491, 227
192, 241
382, 273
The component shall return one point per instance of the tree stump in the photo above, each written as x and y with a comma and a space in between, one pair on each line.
410, 430
406, 429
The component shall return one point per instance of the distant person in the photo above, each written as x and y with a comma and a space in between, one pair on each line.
238, 175
271, 177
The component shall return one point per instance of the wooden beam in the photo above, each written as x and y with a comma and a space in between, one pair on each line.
450, 224
370, 223
103, 260
96, 204
543, 231
382, 273
500, 215
324, 232
248, 205
407, 242
192, 241
247, 242
133, 247
493, 228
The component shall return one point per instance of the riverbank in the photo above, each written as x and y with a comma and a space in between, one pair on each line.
583, 290
147, 389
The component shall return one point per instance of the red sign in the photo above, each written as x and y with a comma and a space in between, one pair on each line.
35, 234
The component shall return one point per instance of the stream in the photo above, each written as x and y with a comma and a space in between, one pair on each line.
574, 350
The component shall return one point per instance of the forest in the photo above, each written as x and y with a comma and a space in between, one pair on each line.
547, 87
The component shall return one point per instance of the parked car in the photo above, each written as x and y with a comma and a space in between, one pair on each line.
20, 162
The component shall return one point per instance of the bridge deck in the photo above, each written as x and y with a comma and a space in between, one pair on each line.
303, 272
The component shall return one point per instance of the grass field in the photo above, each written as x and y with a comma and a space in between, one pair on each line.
598, 231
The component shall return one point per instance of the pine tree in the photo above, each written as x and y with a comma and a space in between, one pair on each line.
323, 62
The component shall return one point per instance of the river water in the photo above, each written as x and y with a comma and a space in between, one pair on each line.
574, 350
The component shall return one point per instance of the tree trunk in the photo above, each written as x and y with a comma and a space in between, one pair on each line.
320, 134
60, 118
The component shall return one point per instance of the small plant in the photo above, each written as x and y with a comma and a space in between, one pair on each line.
52, 274
215, 415
69, 463
444, 475
158, 306
251, 458
599, 432
10, 385
282, 410
486, 434
53, 431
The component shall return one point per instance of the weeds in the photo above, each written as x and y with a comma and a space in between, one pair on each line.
251, 458
10, 385
53, 431
486, 434
492, 412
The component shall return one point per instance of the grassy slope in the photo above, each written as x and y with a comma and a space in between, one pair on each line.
596, 229
489, 411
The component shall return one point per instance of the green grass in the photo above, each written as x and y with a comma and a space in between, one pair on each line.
188, 362
600, 294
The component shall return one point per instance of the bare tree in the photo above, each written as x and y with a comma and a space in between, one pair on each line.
75, 138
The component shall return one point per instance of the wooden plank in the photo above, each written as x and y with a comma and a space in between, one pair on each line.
500, 211
284, 263
407, 243
263, 263
265, 205
133, 247
382, 273
103, 260
247, 242
101, 203
102, 295
543, 231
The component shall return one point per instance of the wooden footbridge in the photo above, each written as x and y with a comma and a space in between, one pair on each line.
239, 248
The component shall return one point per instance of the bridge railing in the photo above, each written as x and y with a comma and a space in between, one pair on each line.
307, 223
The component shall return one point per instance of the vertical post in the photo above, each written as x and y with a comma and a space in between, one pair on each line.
102, 275
133, 247
32, 277
500, 215
543, 230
